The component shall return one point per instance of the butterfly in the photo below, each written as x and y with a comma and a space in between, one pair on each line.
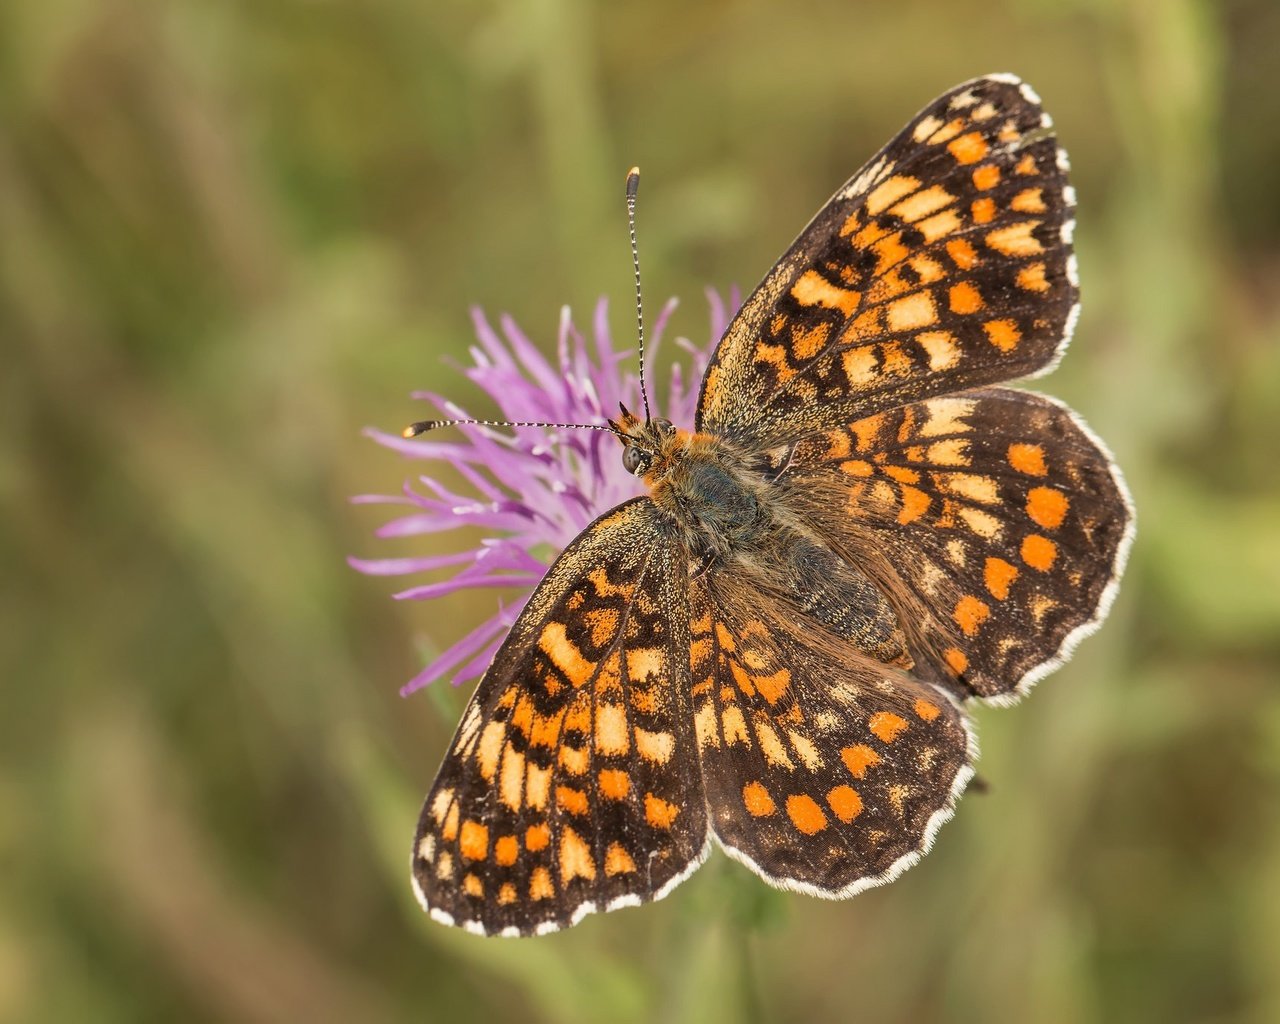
862, 531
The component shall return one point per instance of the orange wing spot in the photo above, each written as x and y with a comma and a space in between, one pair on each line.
615, 783
970, 613
998, 575
603, 623
865, 326
860, 366
449, 830
927, 709
940, 347
472, 886
956, 659
653, 700
923, 203
837, 445
805, 814
507, 895
1029, 200
945, 223
572, 800
962, 254
964, 298
857, 467
537, 785
917, 310
564, 654
474, 840
969, 148
903, 474
1015, 240
889, 252
575, 857
617, 861
511, 785
858, 758
1003, 334
928, 270
1027, 458
655, 746
574, 760
658, 812
886, 725
540, 887
772, 687
845, 803
644, 662
537, 837
725, 637
757, 800
987, 176
889, 192
983, 211
489, 749
947, 132
1027, 165
1031, 278
812, 289
506, 850
1047, 507
915, 503
1039, 552
545, 731
612, 735
771, 746
807, 342
775, 356
600, 580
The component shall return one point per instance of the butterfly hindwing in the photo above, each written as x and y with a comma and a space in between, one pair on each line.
998, 509
825, 772
572, 783
944, 264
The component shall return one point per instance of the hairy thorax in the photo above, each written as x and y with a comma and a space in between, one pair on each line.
728, 516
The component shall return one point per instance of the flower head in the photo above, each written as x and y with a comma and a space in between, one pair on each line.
530, 489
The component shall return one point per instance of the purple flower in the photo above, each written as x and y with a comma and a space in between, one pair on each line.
531, 489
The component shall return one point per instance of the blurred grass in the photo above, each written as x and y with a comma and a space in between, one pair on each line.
232, 234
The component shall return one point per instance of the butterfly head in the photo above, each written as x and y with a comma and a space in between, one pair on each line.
649, 446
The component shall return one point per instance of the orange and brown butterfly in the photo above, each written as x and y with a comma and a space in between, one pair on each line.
862, 531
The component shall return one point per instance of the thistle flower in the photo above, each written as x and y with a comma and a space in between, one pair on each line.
532, 489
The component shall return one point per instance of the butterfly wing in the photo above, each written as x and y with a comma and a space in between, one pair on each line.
996, 514
944, 264
825, 772
572, 784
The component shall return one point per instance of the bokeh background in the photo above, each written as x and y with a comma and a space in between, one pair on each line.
234, 233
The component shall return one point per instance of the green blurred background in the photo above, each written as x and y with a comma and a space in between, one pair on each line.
233, 233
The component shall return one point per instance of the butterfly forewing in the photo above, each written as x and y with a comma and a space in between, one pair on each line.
944, 264
572, 784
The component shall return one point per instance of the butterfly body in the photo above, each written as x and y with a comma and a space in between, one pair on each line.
773, 647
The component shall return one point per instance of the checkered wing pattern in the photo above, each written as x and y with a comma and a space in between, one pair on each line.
997, 510
944, 264
572, 784
825, 772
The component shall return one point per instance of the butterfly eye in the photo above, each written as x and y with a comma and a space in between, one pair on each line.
665, 427
635, 461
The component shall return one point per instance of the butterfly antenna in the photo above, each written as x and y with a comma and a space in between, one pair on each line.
633, 187
422, 426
